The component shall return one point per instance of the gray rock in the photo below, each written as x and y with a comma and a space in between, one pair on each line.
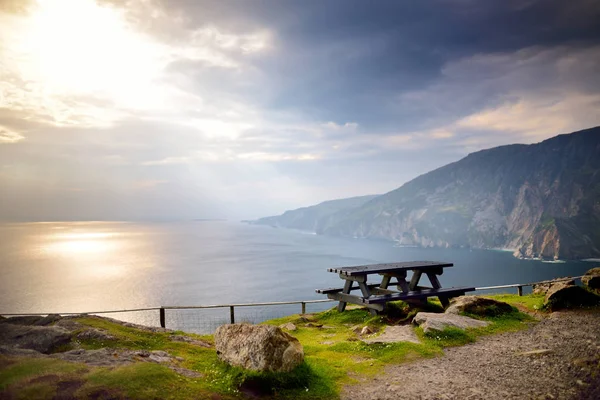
160, 356
95, 334
561, 296
44, 339
395, 334
12, 351
438, 322
591, 279
288, 327
31, 320
258, 347
479, 306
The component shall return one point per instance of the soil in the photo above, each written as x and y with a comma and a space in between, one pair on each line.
495, 367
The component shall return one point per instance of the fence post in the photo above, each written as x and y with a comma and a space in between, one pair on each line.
520, 290
162, 318
303, 308
231, 315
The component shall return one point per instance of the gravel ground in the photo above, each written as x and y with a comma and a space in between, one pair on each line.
567, 366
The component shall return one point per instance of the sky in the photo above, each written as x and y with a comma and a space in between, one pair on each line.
178, 109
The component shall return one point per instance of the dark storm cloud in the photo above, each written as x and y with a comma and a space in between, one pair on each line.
344, 58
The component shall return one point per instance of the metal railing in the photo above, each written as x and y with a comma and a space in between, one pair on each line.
162, 310
520, 286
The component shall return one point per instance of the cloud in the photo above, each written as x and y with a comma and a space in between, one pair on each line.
498, 98
98, 68
167, 161
9, 136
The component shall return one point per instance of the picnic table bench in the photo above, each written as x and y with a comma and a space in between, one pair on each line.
376, 295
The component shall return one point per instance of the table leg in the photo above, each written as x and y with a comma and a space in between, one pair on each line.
347, 289
435, 283
366, 293
414, 282
385, 282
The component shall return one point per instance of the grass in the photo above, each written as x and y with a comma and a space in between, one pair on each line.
334, 356
530, 302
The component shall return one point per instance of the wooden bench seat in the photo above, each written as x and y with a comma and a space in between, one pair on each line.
418, 294
339, 290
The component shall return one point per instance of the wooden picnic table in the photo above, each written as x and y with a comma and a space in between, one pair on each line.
376, 295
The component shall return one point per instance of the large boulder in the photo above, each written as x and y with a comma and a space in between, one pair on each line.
478, 306
591, 279
542, 288
438, 322
562, 295
258, 347
45, 339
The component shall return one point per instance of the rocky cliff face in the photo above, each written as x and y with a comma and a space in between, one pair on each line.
541, 199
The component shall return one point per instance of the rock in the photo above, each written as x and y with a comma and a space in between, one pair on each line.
12, 351
591, 279
31, 320
314, 325
394, 334
561, 295
188, 373
439, 322
366, 330
258, 347
159, 356
542, 288
356, 329
288, 327
479, 306
95, 334
190, 340
44, 339
99, 357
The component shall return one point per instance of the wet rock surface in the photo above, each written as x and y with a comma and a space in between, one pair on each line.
498, 367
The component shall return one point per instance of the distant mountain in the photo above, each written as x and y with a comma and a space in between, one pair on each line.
314, 218
541, 199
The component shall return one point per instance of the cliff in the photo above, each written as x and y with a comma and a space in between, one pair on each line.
314, 218
542, 199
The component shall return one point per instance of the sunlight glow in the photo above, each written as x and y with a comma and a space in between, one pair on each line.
79, 47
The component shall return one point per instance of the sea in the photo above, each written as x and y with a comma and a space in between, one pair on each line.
88, 267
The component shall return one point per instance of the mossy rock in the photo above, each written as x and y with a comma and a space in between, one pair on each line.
480, 306
591, 279
569, 296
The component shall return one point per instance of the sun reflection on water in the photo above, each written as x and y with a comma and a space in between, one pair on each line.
92, 252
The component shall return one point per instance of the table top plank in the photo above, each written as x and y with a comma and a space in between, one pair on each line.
388, 267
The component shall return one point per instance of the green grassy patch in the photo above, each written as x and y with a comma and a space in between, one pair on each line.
531, 302
25, 369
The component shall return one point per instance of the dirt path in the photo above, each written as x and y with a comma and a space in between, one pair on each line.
495, 368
